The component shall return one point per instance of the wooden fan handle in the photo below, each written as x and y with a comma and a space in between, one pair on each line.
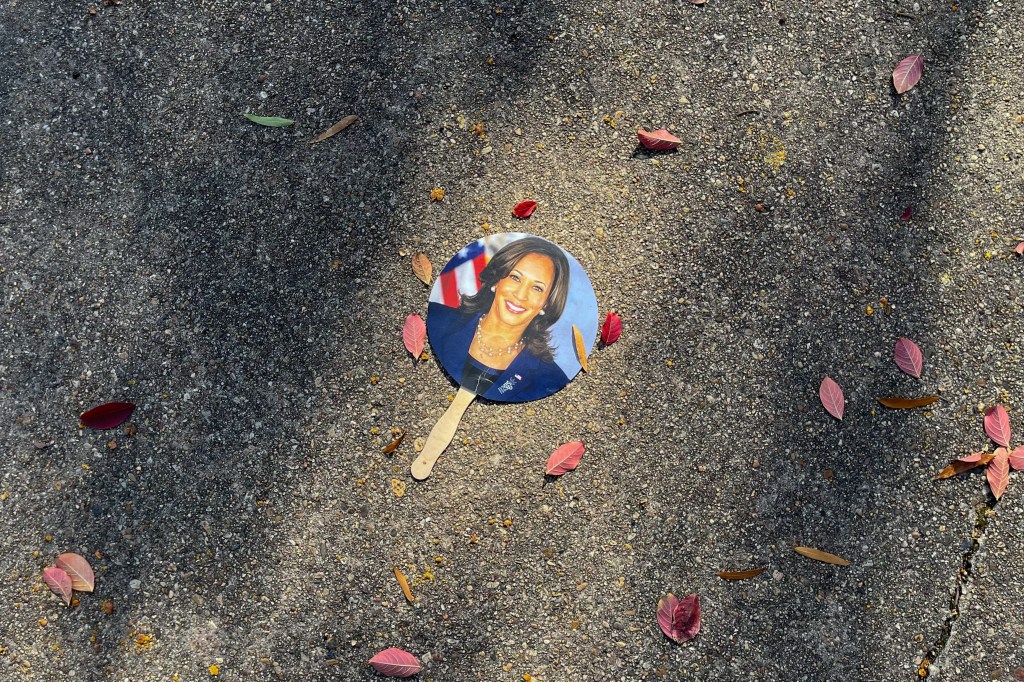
441, 435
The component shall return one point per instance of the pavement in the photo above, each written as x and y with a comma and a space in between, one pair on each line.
247, 291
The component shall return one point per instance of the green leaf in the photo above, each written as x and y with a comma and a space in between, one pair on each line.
272, 121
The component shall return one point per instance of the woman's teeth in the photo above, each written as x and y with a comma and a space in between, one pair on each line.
513, 308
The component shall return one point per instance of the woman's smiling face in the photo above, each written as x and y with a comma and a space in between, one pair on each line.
521, 295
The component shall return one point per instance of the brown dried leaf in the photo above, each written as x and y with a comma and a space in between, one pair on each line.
404, 584
741, 575
904, 403
393, 445
422, 267
581, 348
335, 129
818, 555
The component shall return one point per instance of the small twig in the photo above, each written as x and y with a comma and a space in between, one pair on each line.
748, 111
900, 13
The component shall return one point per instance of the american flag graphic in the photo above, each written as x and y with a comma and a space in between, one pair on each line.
461, 276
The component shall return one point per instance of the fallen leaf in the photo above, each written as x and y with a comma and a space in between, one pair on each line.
271, 121
107, 607
611, 330
524, 209
581, 348
679, 619
908, 357
75, 565
414, 334
959, 466
393, 445
819, 555
905, 403
1019, 249
437, 194
422, 267
398, 487
908, 72
404, 584
741, 575
658, 140
59, 583
107, 416
998, 473
335, 129
565, 458
1016, 458
394, 662
997, 425
832, 397
907, 213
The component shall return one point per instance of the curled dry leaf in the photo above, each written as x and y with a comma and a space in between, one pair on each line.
908, 72
270, 121
679, 619
741, 575
394, 662
393, 445
581, 348
659, 140
524, 209
818, 555
1016, 458
107, 416
906, 403
59, 583
611, 330
404, 584
335, 129
997, 425
908, 212
832, 397
414, 335
998, 472
959, 466
908, 357
565, 458
422, 267
75, 565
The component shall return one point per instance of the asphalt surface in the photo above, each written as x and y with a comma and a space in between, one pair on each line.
247, 291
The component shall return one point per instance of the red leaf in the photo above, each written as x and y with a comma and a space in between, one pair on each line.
1019, 249
566, 458
611, 330
908, 72
908, 357
1016, 458
107, 416
679, 620
59, 583
832, 397
659, 140
82, 578
998, 473
414, 334
997, 425
907, 212
394, 662
524, 209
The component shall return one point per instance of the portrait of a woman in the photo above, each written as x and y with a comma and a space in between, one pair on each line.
497, 341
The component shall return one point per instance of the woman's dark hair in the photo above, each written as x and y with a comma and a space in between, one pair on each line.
537, 337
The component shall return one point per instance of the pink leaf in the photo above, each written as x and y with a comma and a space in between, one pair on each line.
973, 457
998, 473
611, 330
907, 213
414, 334
1019, 249
566, 458
679, 620
107, 416
524, 209
59, 583
832, 397
659, 140
997, 425
908, 72
1016, 458
394, 662
908, 357
82, 578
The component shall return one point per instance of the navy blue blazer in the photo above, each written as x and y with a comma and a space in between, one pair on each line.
527, 378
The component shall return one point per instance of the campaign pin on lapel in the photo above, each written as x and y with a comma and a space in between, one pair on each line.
511, 318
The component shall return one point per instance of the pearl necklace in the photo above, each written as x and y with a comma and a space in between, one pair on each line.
495, 352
